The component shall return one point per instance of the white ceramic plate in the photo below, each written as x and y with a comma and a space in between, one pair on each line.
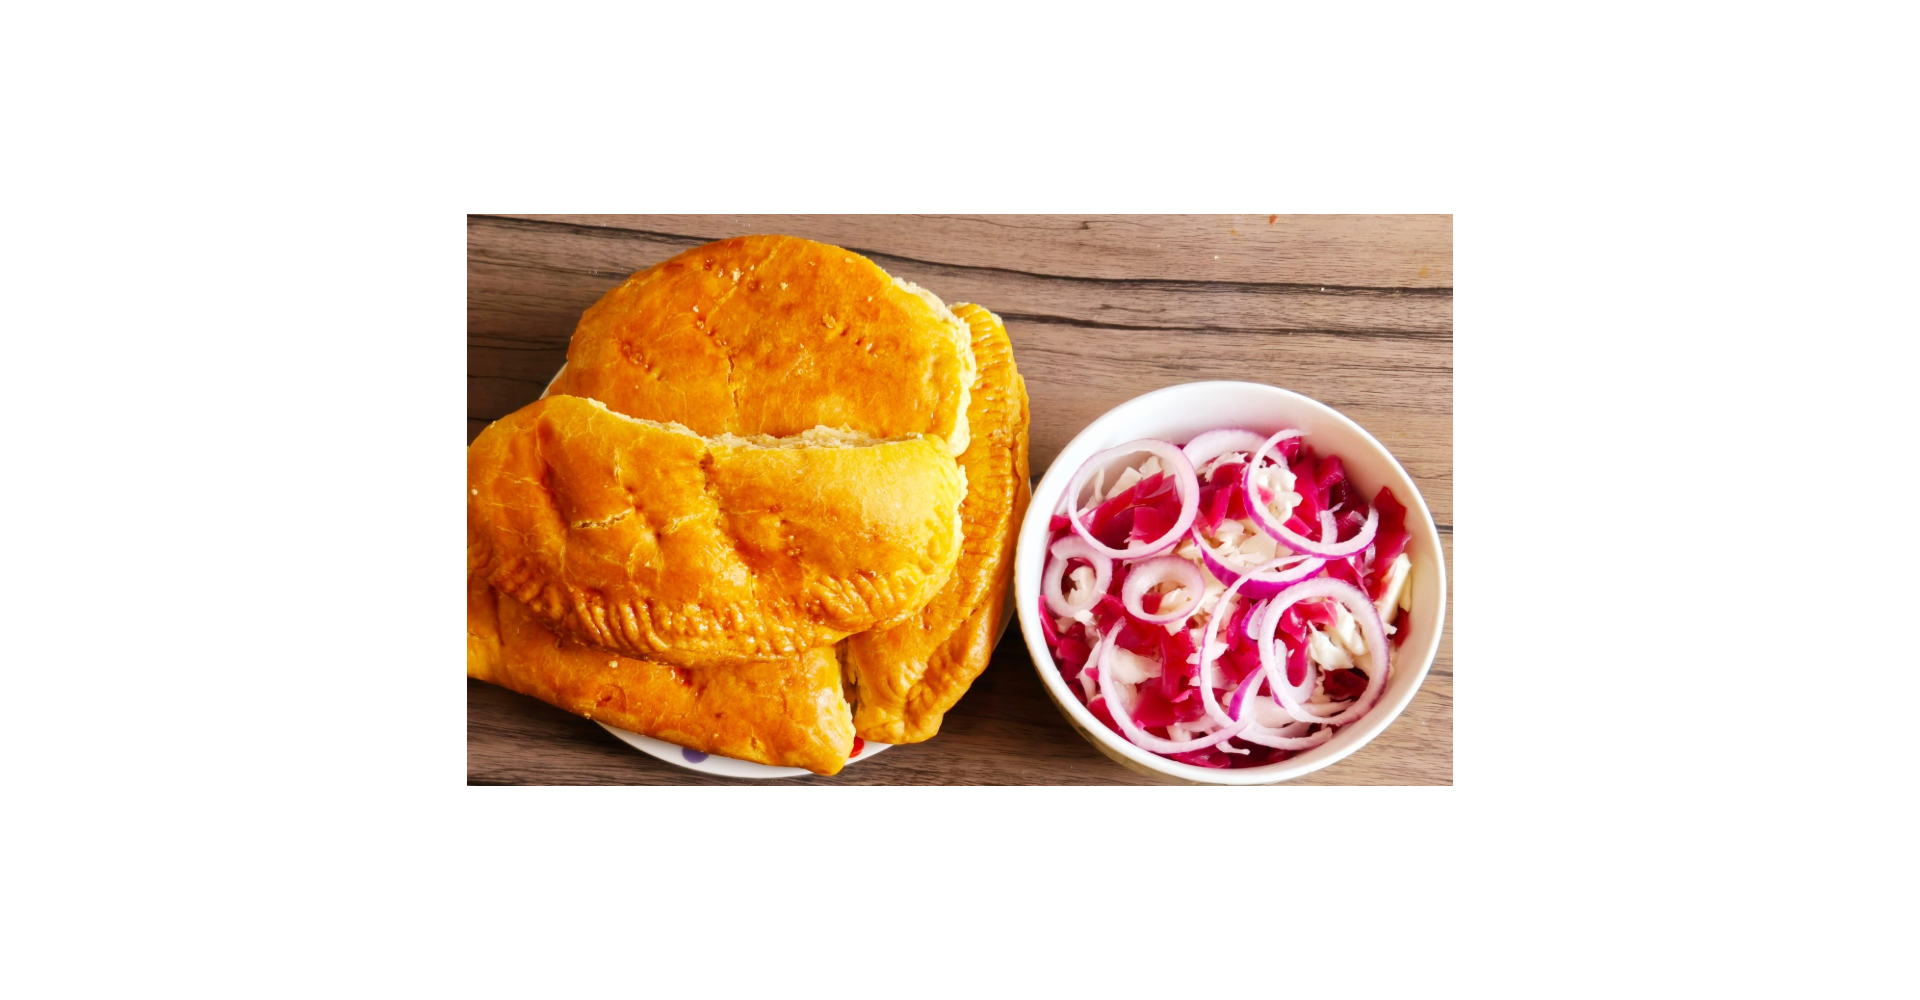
713, 763
706, 763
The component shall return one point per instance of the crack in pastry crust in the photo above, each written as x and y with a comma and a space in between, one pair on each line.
906, 677
647, 540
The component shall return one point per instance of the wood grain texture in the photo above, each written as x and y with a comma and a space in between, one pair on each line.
1364, 251
1356, 311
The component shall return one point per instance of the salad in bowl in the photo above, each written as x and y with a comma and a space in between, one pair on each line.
1232, 602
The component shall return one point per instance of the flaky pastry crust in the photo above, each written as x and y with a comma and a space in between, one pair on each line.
906, 677
647, 540
789, 713
775, 335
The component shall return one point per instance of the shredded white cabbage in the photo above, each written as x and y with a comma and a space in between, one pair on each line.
1268, 712
1396, 592
1081, 582
1130, 667
1346, 631
1325, 653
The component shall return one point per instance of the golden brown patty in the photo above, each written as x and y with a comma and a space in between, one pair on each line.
880, 359
788, 713
775, 335
649, 541
907, 676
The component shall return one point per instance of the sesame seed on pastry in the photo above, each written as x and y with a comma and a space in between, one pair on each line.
775, 335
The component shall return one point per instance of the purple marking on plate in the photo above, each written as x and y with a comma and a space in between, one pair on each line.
692, 756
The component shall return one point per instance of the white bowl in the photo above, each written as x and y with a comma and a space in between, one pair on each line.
1177, 413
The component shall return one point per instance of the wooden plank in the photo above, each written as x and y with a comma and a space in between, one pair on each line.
1095, 320
1363, 251
570, 266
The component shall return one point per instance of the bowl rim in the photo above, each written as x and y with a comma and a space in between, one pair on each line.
1046, 496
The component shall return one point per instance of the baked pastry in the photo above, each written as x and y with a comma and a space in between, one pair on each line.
775, 335
907, 676
755, 500
648, 540
790, 713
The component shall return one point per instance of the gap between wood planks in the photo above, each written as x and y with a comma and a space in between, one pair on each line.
512, 289
877, 255
1275, 331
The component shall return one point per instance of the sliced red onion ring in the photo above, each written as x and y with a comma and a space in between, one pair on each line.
1292, 736
1053, 581
1109, 689
1207, 700
1184, 481
1252, 620
1253, 683
1308, 679
1272, 738
1278, 530
1150, 573
1236, 703
1291, 729
1371, 630
1294, 568
1213, 444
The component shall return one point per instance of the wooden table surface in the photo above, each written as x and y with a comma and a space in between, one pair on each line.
1356, 311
